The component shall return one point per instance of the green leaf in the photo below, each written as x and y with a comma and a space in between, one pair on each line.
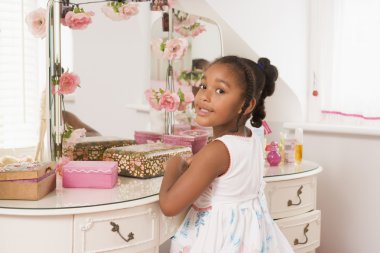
181, 95
162, 46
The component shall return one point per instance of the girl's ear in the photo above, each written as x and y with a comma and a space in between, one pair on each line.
250, 107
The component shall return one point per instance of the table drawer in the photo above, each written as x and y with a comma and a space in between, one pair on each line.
291, 197
127, 230
302, 231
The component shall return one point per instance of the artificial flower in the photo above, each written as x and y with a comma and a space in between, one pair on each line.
175, 48
117, 11
187, 25
36, 21
169, 101
191, 78
153, 98
128, 10
77, 19
68, 82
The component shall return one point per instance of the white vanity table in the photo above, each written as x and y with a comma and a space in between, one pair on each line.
127, 218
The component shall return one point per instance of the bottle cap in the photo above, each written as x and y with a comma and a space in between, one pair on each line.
299, 135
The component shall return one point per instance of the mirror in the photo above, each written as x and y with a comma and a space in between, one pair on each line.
114, 63
204, 45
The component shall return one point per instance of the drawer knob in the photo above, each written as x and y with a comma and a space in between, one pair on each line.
115, 228
299, 192
305, 230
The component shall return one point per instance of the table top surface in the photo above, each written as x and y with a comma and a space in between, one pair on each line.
129, 190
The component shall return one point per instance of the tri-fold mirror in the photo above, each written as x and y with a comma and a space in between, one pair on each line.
116, 63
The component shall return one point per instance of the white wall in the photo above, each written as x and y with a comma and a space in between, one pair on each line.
348, 190
112, 59
348, 187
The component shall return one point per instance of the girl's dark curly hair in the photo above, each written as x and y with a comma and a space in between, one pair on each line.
259, 81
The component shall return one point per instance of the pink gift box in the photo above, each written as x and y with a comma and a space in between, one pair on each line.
89, 174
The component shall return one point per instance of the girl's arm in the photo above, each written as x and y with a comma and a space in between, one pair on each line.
181, 187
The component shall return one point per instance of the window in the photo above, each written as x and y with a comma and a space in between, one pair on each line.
21, 76
345, 42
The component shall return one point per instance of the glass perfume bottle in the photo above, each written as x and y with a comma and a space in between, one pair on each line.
274, 157
298, 146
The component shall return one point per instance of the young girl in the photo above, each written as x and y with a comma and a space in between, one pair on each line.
223, 183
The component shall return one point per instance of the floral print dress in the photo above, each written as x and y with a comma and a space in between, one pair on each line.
231, 215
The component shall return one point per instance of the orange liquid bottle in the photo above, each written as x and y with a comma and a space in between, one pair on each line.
299, 145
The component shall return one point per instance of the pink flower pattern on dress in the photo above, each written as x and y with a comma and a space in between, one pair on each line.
77, 21
68, 82
36, 21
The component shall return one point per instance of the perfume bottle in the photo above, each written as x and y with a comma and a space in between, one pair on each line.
299, 145
274, 157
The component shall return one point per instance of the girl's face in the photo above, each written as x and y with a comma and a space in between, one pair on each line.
219, 99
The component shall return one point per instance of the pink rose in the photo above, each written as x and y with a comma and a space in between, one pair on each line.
198, 31
175, 48
68, 83
153, 99
189, 98
128, 10
76, 135
78, 21
110, 13
36, 21
169, 101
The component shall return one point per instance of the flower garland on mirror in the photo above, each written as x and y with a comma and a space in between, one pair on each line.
190, 77
187, 25
76, 18
170, 101
119, 10
36, 22
67, 83
172, 49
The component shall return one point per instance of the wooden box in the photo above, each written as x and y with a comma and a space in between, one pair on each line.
27, 181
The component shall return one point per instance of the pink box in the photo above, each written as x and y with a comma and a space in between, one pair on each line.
200, 139
178, 140
143, 137
89, 174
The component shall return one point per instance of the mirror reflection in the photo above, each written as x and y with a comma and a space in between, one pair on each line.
115, 63
202, 46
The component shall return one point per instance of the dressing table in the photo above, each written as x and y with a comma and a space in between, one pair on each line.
127, 218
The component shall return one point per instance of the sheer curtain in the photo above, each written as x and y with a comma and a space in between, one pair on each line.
345, 60
22, 78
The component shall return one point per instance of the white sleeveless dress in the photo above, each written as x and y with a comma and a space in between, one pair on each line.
231, 215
